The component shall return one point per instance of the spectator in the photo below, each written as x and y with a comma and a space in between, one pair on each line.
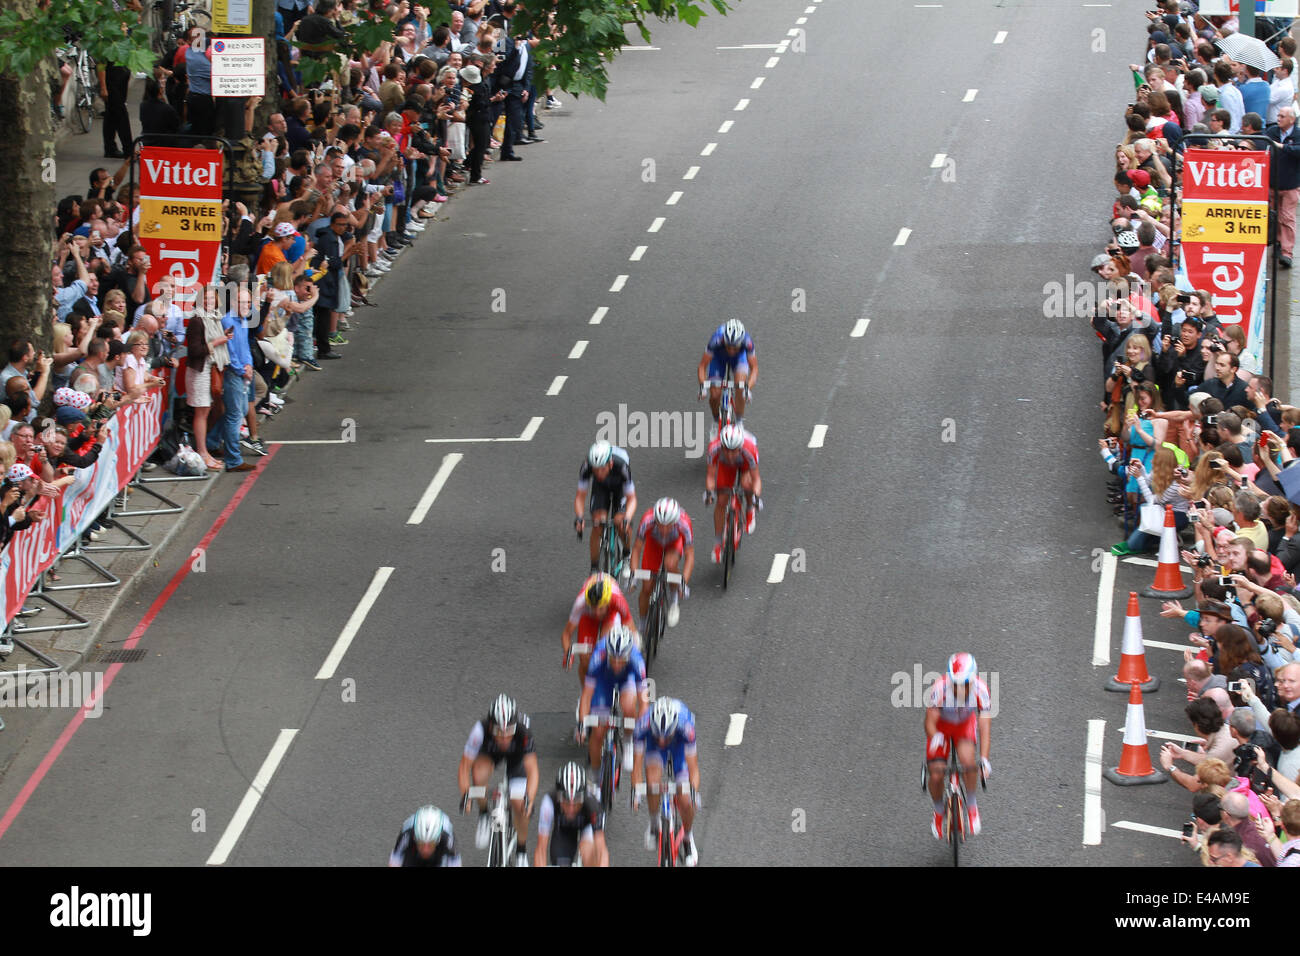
1236, 809
205, 359
1224, 847
1208, 724
237, 380
1284, 179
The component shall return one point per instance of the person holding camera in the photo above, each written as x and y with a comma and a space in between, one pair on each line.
1225, 386
1179, 365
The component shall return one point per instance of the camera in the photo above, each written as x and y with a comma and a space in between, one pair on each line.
1266, 627
1225, 580
1204, 561
1184, 299
1245, 759
1216, 346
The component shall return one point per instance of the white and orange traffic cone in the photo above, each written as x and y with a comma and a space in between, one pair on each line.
1133, 655
1169, 579
1135, 762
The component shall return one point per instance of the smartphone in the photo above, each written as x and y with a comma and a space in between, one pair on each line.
1189, 829
1211, 419
1217, 463
1234, 687
1185, 299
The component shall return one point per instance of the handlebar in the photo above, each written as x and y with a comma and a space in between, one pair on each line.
662, 788
609, 720
670, 576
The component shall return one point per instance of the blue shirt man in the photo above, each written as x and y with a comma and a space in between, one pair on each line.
236, 383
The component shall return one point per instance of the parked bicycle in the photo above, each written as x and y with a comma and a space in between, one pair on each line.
83, 83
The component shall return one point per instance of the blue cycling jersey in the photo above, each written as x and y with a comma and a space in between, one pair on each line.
718, 346
604, 679
679, 746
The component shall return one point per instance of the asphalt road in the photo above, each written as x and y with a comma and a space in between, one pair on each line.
955, 503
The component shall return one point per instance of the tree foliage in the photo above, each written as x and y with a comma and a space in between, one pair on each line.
109, 34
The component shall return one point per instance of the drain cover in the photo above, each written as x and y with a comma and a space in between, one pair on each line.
132, 656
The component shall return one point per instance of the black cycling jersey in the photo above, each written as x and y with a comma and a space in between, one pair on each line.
405, 852
617, 484
521, 744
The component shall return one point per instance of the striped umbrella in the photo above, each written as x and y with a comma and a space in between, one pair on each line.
1248, 51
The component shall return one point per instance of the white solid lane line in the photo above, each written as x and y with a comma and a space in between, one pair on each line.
903, 235
860, 329
598, 315
1169, 647
557, 385
777, 574
735, 731
672, 201
313, 441
527, 435
637, 254
1092, 783
818, 437
350, 629
619, 282
1105, 593
580, 346
449, 462
657, 224
254, 793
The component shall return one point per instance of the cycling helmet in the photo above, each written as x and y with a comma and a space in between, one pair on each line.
599, 590
430, 822
503, 712
961, 668
619, 643
664, 717
732, 437
667, 511
599, 454
733, 333
571, 781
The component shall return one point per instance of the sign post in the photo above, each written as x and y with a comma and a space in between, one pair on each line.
180, 218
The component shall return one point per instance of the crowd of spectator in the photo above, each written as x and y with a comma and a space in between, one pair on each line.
344, 177
1189, 422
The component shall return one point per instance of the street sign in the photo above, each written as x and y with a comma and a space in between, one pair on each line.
238, 67
232, 16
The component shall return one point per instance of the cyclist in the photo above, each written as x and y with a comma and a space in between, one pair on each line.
570, 822
667, 732
953, 706
425, 840
502, 735
734, 450
607, 475
729, 347
616, 665
664, 537
597, 609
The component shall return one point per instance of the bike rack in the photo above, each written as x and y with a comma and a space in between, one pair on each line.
79, 622
75, 553
107, 520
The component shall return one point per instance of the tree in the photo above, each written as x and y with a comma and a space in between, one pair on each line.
30, 32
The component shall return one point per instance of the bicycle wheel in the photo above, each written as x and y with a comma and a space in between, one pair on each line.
652, 623
666, 855
607, 778
728, 541
497, 850
955, 824
84, 104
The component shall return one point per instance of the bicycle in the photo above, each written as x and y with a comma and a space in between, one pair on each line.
670, 848
504, 841
727, 408
611, 754
732, 530
611, 558
84, 84
656, 618
954, 801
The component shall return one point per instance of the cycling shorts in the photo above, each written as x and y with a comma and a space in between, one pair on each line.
962, 731
719, 364
653, 555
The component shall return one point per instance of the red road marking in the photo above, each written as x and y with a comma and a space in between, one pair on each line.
138, 632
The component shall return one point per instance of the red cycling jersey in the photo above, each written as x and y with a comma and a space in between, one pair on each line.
657, 539
728, 463
957, 720
592, 625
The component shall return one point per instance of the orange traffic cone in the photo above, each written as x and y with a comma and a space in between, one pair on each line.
1169, 579
1133, 654
1135, 763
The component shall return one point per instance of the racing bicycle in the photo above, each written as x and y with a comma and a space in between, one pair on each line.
611, 754
954, 800
671, 846
504, 840
727, 407
656, 617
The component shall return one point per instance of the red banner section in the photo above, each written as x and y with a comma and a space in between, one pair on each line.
132, 436
180, 217
1224, 237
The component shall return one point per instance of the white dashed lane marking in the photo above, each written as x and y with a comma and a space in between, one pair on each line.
903, 235
426, 502
690, 173
598, 315
619, 282
740, 106
637, 253
358, 618
672, 200
557, 385
726, 126
860, 329
938, 160
708, 150
657, 224
735, 731
579, 347
251, 797
777, 574
818, 437
970, 96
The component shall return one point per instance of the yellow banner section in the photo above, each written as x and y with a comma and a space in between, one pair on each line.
231, 16
180, 219
1240, 223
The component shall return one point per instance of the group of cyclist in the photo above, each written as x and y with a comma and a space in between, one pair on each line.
570, 824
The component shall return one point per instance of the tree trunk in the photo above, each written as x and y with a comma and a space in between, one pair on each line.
264, 26
27, 182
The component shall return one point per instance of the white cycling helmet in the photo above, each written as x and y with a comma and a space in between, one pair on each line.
667, 511
620, 642
962, 668
503, 712
599, 454
664, 717
732, 437
571, 781
430, 823
733, 333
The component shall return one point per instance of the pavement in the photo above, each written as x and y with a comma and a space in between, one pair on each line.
927, 452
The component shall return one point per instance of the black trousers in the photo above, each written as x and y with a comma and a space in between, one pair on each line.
321, 331
480, 135
201, 111
117, 120
514, 119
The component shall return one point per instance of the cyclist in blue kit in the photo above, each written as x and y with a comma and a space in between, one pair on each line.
730, 347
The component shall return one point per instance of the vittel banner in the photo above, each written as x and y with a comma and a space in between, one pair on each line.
1225, 235
180, 217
